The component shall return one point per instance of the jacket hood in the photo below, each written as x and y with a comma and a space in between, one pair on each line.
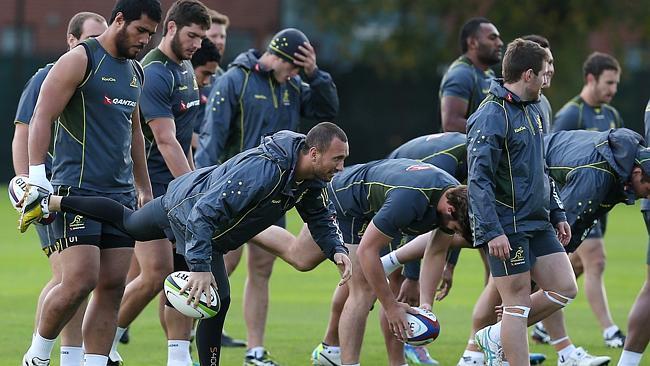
500, 91
619, 147
283, 147
246, 60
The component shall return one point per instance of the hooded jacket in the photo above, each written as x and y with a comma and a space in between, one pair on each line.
247, 103
592, 170
509, 188
219, 208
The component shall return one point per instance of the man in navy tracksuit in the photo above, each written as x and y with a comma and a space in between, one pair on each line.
213, 210
262, 93
513, 205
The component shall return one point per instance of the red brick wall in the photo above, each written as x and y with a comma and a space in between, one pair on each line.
48, 19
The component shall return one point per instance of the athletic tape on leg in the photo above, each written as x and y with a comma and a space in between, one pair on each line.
553, 342
557, 298
516, 311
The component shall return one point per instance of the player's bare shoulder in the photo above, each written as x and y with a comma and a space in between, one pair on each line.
71, 68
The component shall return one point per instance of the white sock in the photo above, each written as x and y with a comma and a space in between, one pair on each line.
495, 332
350, 364
71, 356
178, 353
95, 360
114, 356
390, 263
609, 331
335, 349
565, 352
256, 352
41, 347
474, 355
629, 358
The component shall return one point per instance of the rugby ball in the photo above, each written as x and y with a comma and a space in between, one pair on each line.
173, 285
17, 186
423, 327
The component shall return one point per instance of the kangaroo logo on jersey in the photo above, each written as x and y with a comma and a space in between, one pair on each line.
285, 98
416, 168
134, 82
518, 258
77, 223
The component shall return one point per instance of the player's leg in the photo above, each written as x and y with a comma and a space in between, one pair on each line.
482, 315
354, 316
231, 260
329, 351
179, 326
300, 252
208, 331
394, 348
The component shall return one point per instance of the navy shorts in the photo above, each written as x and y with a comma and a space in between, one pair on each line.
526, 247
70, 229
352, 228
47, 239
598, 230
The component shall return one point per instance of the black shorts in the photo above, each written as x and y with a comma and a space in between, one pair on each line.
526, 247
70, 229
598, 230
352, 228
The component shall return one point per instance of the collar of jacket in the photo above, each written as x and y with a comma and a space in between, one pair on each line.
500, 91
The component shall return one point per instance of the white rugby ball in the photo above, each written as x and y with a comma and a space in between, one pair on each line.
173, 285
423, 327
16, 189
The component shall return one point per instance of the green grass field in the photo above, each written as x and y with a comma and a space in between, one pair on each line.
300, 302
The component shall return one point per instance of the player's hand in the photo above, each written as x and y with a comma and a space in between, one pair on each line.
38, 178
396, 317
409, 292
197, 284
500, 247
426, 307
498, 310
563, 232
447, 281
345, 267
306, 58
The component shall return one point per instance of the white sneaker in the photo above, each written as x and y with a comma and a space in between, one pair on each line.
322, 356
470, 361
492, 350
34, 361
114, 358
580, 357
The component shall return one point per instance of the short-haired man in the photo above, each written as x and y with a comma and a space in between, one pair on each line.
638, 323
169, 104
258, 95
513, 205
590, 110
467, 81
82, 26
216, 209
92, 92
218, 32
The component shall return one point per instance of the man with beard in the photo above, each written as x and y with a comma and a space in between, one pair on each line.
258, 95
216, 209
590, 110
82, 26
168, 106
92, 92
467, 80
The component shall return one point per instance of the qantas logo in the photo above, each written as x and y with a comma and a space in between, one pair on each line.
118, 101
415, 168
185, 106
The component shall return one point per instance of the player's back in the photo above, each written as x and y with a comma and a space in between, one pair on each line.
447, 151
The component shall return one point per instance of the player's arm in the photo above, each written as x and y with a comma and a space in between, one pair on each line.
456, 92
19, 154
433, 264
485, 138
164, 132
558, 215
190, 158
567, 118
318, 97
220, 110
140, 172
57, 89
24, 112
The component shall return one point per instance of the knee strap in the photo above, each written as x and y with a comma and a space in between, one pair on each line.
516, 311
553, 342
558, 298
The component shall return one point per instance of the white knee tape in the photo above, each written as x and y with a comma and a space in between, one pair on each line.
516, 311
558, 298
553, 342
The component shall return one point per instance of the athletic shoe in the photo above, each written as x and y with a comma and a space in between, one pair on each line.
470, 361
537, 358
492, 350
418, 356
228, 341
580, 357
322, 356
114, 359
265, 360
114, 363
617, 340
539, 334
35, 361
35, 207
124, 339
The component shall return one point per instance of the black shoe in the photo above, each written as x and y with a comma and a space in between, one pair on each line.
124, 339
228, 341
113, 363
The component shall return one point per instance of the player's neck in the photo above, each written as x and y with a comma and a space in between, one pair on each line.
165, 47
303, 168
107, 41
476, 62
519, 89
589, 97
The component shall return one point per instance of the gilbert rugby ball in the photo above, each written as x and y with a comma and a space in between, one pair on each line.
172, 287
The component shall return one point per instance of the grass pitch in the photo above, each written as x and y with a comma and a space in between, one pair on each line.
299, 303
